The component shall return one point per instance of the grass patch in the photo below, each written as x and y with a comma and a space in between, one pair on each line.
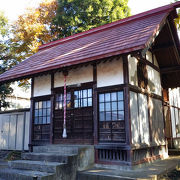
13, 155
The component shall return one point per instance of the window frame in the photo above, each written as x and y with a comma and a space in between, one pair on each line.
112, 122
48, 115
72, 89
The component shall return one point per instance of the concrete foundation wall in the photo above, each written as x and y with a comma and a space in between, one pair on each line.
14, 130
110, 73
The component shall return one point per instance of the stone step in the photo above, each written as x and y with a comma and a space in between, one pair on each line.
61, 149
101, 176
16, 174
43, 166
51, 157
85, 153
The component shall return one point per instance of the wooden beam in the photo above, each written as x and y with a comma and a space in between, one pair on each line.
95, 105
152, 39
127, 107
31, 117
52, 112
172, 69
174, 42
162, 47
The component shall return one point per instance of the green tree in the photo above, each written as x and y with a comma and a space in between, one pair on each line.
5, 58
74, 16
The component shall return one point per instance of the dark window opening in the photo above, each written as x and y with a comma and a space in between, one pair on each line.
78, 99
83, 98
111, 117
60, 101
42, 112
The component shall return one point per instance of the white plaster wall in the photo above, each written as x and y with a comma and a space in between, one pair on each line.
173, 122
177, 122
143, 118
139, 119
154, 81
75, 76
110, 73
156, 114
135, 127
132, 64
155, 61
171, 97
149, 56
42, 85
174, 97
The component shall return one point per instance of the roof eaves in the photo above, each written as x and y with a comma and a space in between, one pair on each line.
81, 61
152, 38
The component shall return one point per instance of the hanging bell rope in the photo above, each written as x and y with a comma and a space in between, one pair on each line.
64, 135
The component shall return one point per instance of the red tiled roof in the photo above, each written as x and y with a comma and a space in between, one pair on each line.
123, 36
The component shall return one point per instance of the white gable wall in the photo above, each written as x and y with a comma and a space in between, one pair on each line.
110, 73
75, 76
149, 56
154, 81
132, 65
42, 85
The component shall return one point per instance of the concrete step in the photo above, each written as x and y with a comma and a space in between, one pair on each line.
43, 166
100, 176
50, 157
61, 149
16, 174
85, 153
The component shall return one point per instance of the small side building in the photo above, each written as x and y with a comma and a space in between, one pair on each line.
104, 87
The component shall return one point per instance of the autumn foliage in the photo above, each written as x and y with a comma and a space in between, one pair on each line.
34, 28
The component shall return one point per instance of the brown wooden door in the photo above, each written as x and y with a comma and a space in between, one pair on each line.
79, 117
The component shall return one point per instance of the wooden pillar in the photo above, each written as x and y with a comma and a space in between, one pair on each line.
31, 117
95, 113
127, 106
95, 104
52, 108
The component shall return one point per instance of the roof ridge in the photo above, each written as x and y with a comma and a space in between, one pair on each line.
110, 25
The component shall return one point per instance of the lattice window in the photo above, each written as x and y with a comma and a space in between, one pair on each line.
111, 117
60, 101
83, 98
42, 112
